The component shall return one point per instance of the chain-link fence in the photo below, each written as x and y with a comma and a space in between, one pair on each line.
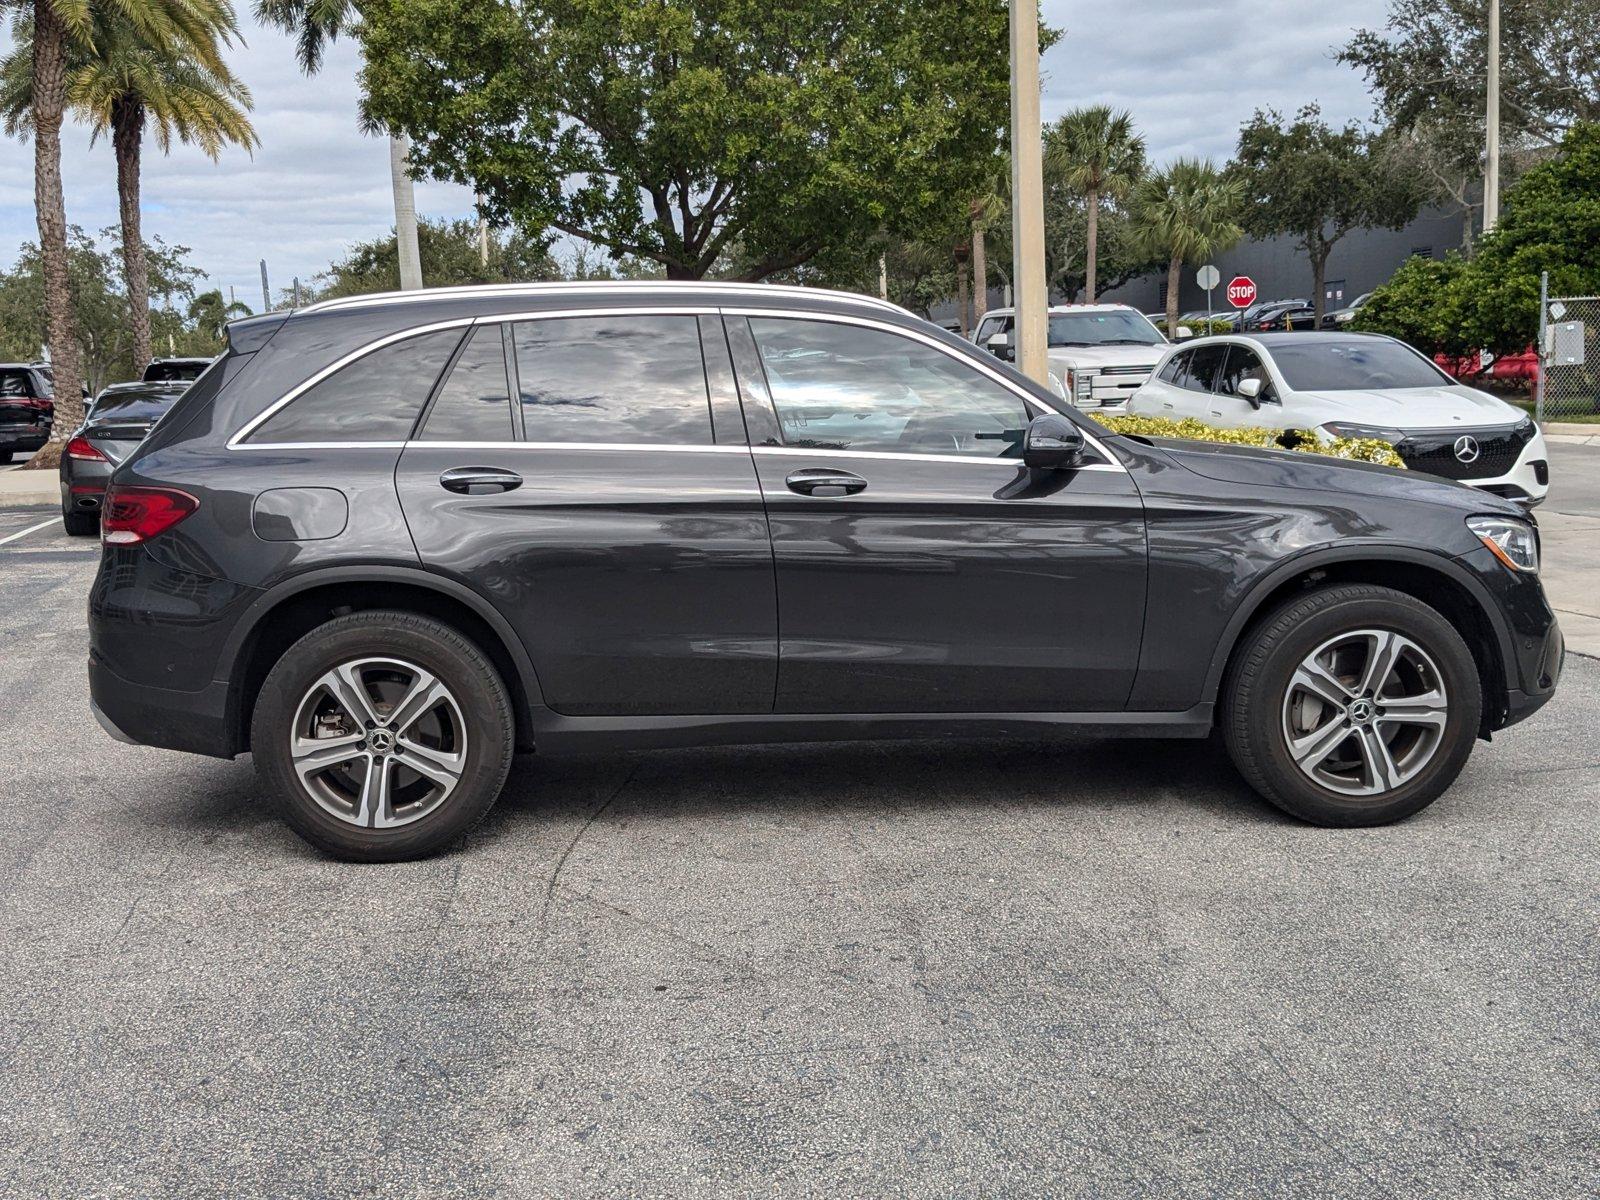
1568, 384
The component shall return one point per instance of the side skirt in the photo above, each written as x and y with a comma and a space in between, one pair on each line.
557, 735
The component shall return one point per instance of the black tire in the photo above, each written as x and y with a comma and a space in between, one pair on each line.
5, 456
474, 685
80, 524
1256, 694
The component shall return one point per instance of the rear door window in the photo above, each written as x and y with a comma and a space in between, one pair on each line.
376, 398
1205, 366
474, 405
626, 380
1176, 372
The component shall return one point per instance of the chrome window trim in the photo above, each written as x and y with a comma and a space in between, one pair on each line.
1035, 405
597, 287
669, 447
236, 442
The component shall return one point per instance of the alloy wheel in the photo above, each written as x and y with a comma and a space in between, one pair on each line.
1365, 712
378, 742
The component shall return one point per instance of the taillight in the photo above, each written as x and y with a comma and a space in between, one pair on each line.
82, 448
130, 515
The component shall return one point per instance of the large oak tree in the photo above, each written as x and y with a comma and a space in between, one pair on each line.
726, 137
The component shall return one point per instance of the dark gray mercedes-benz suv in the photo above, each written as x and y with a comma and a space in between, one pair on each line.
383, 543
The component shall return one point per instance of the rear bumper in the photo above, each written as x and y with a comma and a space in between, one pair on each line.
26, 437
195, 722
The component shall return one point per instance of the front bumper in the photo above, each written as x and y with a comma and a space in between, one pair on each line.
1533, 650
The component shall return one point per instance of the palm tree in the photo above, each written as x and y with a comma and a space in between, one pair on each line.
210, 312
315, 23
119, 84
1186, 213
58, 26
1099, 155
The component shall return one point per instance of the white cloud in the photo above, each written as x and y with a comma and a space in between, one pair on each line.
1190, 73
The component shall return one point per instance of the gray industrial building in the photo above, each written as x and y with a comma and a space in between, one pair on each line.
1362, 259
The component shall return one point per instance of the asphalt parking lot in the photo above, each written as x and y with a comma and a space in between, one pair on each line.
921, 969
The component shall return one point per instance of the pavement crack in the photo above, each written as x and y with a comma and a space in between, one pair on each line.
555, 874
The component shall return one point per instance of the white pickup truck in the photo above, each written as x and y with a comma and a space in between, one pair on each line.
1101, 353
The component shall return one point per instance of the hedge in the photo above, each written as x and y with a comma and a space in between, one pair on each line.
1372, 450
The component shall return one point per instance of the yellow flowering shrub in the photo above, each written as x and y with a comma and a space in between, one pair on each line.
1372, 450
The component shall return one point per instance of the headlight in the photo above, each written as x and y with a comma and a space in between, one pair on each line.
1345, 429
1513, 542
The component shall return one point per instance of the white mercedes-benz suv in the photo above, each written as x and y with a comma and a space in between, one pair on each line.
1358, 385
1100, 352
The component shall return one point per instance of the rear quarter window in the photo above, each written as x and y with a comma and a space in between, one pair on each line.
375, 398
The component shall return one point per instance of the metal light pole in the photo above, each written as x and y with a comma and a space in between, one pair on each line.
1491, 166
1027, 196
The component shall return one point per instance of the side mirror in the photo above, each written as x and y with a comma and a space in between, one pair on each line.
1051, 443
1184, 333
1250, 389
999, 346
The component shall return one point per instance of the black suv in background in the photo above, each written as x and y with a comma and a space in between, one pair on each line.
27, 408
174, 370
384, 542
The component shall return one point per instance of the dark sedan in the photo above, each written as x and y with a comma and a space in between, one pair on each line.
116, 424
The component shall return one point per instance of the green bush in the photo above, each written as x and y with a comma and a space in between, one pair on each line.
1550, 220
1370, 450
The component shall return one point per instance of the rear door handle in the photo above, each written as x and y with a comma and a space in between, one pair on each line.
824, 481
479, 481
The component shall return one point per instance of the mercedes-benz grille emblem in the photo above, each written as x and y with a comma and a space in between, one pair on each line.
1467, 448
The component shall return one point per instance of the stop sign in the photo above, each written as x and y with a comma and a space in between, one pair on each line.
1242, 291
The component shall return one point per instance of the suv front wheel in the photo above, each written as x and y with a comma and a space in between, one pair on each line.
384, 735
1353, 705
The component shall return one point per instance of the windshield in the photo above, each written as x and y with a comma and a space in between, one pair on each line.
1103, 329
132, 406
1350, 366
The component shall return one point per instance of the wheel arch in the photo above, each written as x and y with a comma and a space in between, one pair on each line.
1432, 578
294, 607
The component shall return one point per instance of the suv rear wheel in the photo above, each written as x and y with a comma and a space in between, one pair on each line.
1354, 705
384, 735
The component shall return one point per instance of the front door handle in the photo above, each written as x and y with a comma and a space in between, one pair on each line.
824, 481
479, 481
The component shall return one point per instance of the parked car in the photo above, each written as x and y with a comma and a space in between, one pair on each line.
391, 539
1341, 317
115, 424
1240, 319
1357, 385
175, 370
1100, 352
27, 408
1279, 316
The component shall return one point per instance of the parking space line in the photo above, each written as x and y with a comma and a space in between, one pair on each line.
22, 533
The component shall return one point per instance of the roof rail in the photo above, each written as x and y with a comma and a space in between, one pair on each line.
593, 286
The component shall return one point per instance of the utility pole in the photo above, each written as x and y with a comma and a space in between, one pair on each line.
483, 235
266, 295
1491, 166
1027, 195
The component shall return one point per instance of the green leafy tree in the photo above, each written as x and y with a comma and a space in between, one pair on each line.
1426, 66
699, 134
1098, 156
1186, 213
100, 305
120, 84
1549, 221
1316, 183
450, 256
210, 313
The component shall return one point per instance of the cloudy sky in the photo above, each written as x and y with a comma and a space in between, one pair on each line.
1190, 71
